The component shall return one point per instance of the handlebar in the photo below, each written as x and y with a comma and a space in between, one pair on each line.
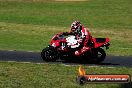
58, 37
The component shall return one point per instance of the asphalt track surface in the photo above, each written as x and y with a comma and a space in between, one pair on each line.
34, 57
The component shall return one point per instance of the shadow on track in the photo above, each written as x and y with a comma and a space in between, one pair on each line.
34, 57
77, 62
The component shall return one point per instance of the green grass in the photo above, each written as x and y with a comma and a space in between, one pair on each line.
25, 37
30, 24
20, 75
36, 37
98, 13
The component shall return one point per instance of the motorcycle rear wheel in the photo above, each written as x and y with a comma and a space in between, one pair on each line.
96, 56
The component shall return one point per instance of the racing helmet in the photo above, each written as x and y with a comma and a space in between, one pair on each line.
75, 26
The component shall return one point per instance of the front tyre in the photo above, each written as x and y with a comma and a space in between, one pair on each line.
49, 54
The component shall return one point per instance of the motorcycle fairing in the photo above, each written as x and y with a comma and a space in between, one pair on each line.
98, 42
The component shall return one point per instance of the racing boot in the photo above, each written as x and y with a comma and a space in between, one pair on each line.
83, 50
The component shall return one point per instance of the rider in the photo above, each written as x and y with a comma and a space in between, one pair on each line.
82, 35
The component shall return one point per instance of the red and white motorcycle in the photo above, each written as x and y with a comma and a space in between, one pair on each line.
63, 47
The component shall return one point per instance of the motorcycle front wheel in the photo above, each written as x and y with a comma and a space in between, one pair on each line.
49, 54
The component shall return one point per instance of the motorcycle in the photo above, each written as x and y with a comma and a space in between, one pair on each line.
64, 47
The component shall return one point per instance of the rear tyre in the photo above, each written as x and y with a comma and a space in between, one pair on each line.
96, 56
49, 54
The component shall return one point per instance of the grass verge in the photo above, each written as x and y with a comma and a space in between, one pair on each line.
36, 37
98, 13
20, 75
30, 24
